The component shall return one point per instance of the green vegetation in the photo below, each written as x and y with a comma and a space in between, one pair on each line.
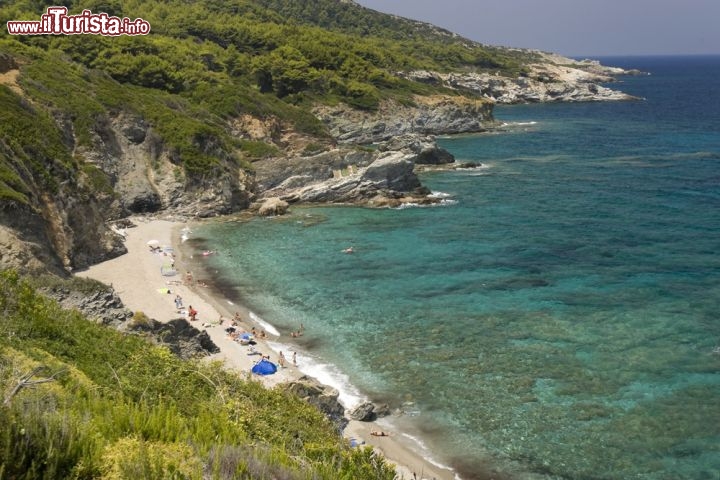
31, 148
203, 64
83, 401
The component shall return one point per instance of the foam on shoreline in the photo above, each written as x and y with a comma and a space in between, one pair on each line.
136, 278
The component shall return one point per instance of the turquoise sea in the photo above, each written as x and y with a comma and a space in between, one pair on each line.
558, 316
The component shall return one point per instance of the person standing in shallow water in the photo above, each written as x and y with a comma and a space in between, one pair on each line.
281, 359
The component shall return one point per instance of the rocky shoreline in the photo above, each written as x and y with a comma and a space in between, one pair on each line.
136, 275
551, 79
381, 177
370, 159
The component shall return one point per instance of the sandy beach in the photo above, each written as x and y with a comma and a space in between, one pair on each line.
137, 279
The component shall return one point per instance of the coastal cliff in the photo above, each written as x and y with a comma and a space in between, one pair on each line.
94, 130
227, 106
550, 78
425, 115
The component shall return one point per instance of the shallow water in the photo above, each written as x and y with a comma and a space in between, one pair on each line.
558, 317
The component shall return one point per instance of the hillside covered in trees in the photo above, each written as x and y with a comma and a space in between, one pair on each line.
222, 99
96, 128
207, 61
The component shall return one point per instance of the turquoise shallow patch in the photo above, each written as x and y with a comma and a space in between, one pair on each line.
559, 317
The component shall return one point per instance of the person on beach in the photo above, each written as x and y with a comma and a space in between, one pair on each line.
281, 359
379, 433
192, 313
178, 302
295, 358
189, 278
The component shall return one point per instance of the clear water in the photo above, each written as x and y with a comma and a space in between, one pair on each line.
558, 318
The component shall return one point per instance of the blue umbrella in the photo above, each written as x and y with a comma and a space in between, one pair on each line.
264, 367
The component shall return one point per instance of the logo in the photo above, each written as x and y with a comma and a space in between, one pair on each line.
56, 21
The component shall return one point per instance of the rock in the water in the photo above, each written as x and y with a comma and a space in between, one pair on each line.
424, 147
382, 410
389, 174
363, 413
369, 412
273, 206
394, 171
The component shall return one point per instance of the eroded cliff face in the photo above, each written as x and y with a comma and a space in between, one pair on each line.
432, 115
125, 167
147, 177
57, 234
57, 211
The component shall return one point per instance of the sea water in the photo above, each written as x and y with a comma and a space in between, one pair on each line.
557, 316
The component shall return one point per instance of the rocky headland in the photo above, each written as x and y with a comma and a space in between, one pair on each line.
383, 176
369, 158
551, 78
433, 115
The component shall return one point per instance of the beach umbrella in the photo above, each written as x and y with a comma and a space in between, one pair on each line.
153, 243
264, 367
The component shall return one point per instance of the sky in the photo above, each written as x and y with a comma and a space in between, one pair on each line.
576, 28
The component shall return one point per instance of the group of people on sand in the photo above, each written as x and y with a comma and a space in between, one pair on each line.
236, 334
242, 336
282, 360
